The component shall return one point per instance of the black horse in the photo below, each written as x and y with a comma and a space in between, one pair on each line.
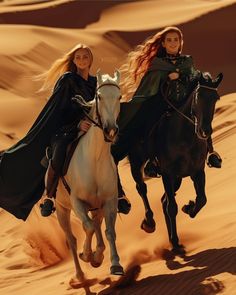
181, 149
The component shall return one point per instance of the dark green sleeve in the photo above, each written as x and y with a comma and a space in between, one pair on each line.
149, 85
189, 76
187, 69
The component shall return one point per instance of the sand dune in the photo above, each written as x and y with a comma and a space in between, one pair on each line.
203, 23
34, 258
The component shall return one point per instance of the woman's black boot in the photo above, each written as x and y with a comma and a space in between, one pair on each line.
48, 205
214, 160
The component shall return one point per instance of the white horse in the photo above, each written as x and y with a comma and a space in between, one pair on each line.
92, 178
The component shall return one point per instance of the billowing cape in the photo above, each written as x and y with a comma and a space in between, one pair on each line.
150, 84
21, 174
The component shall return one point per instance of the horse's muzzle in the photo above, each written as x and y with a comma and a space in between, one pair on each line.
110, 133
203, 131
203, 134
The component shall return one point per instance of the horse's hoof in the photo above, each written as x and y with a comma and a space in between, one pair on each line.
94, 263
117, 270
77, 284
185, 209
48, 207
214, 160
148, 228
188, 209
124, 205
82, 257
179, 250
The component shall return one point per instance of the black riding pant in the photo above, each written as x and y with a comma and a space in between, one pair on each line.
138, 128
59, 146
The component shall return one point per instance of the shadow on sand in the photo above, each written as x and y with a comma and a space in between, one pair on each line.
195, 281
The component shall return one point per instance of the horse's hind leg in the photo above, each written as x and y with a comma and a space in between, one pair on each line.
199, 184
164, 206
110, 212
148, 224
63, 216
170, 209
97, 257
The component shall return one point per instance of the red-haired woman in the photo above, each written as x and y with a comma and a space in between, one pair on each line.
151, 69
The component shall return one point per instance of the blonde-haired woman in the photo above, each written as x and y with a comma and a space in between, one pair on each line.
151, 69
55, 126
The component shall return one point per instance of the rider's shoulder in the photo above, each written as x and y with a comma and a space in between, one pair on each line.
65, 78
67, 75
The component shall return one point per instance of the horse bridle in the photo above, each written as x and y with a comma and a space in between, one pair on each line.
193, 121
99, 123
195, 100
175, 108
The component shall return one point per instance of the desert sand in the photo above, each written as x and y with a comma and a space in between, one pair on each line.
34, 258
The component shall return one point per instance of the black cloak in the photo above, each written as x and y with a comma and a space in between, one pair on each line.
21, 173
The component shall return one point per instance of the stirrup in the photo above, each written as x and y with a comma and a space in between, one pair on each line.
47, 207
124, 205
214, 160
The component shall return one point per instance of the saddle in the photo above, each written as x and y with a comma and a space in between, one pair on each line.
69, 153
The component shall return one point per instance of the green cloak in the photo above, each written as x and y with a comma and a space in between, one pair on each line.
21, 173
149, 86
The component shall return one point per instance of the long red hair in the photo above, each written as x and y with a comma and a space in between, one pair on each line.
139, 59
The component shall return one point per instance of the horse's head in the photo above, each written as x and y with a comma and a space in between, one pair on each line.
108, 104
203, 106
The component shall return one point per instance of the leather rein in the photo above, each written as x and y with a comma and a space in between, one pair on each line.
193, 121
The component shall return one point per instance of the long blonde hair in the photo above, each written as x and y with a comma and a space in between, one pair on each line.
60, 66
138, 60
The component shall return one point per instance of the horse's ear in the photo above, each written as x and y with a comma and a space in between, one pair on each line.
99, 77
117, 76
205, 78
218, 79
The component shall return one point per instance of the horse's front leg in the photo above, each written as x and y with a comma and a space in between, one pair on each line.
124, 205
148, 224
170, 209
110, 212
97, 257
199, 184
81, 211
63, 216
